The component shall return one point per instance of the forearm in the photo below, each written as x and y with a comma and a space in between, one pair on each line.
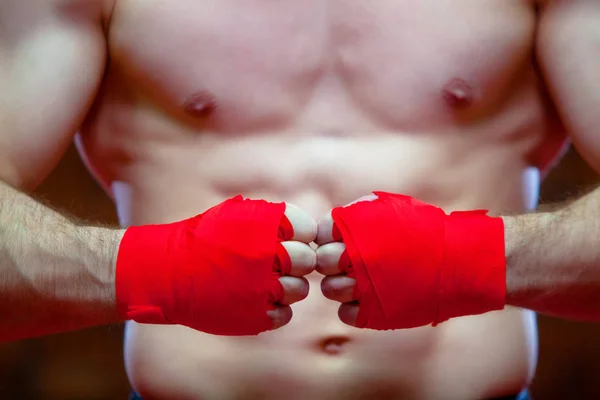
553, 260
54, 275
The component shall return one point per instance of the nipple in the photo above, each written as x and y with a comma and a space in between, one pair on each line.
458, 93
201, 104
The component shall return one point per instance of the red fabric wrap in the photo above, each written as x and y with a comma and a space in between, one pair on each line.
414, 265
217, 272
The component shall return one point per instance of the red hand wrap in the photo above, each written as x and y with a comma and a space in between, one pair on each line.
217, 272
414, 265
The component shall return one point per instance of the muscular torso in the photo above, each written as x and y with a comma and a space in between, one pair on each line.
317, 103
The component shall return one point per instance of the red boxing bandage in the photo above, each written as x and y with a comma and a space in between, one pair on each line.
217, 272
414, 265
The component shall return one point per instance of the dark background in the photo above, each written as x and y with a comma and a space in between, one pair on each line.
88, 364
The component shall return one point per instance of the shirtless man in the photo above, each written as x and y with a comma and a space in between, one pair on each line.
182, 104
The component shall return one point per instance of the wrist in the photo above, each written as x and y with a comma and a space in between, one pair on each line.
144, 282
473, 278
100, 263
523, 255
83, 277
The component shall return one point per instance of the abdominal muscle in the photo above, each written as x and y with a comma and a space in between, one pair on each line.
316, 355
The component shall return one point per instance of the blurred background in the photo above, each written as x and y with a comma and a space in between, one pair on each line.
88, 364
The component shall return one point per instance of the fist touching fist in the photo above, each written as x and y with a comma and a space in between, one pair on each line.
395, 262
392, 261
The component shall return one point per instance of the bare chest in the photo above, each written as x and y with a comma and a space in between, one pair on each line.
265, 65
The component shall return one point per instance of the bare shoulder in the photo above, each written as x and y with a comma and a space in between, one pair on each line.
52, 58
17, 13
83, 10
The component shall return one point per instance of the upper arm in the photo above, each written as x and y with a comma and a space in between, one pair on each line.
52, 58
568, 50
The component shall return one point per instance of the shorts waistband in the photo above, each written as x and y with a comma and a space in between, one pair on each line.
524, 395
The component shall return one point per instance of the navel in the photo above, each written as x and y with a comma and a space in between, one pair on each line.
458, 93
201, 104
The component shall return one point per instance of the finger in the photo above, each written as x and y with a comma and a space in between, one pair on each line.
294, 289
327, 232
303, 258
348, 313
332, 259
338, 288
280, 316
303, 225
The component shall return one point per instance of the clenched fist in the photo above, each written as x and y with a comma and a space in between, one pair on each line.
395, 262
